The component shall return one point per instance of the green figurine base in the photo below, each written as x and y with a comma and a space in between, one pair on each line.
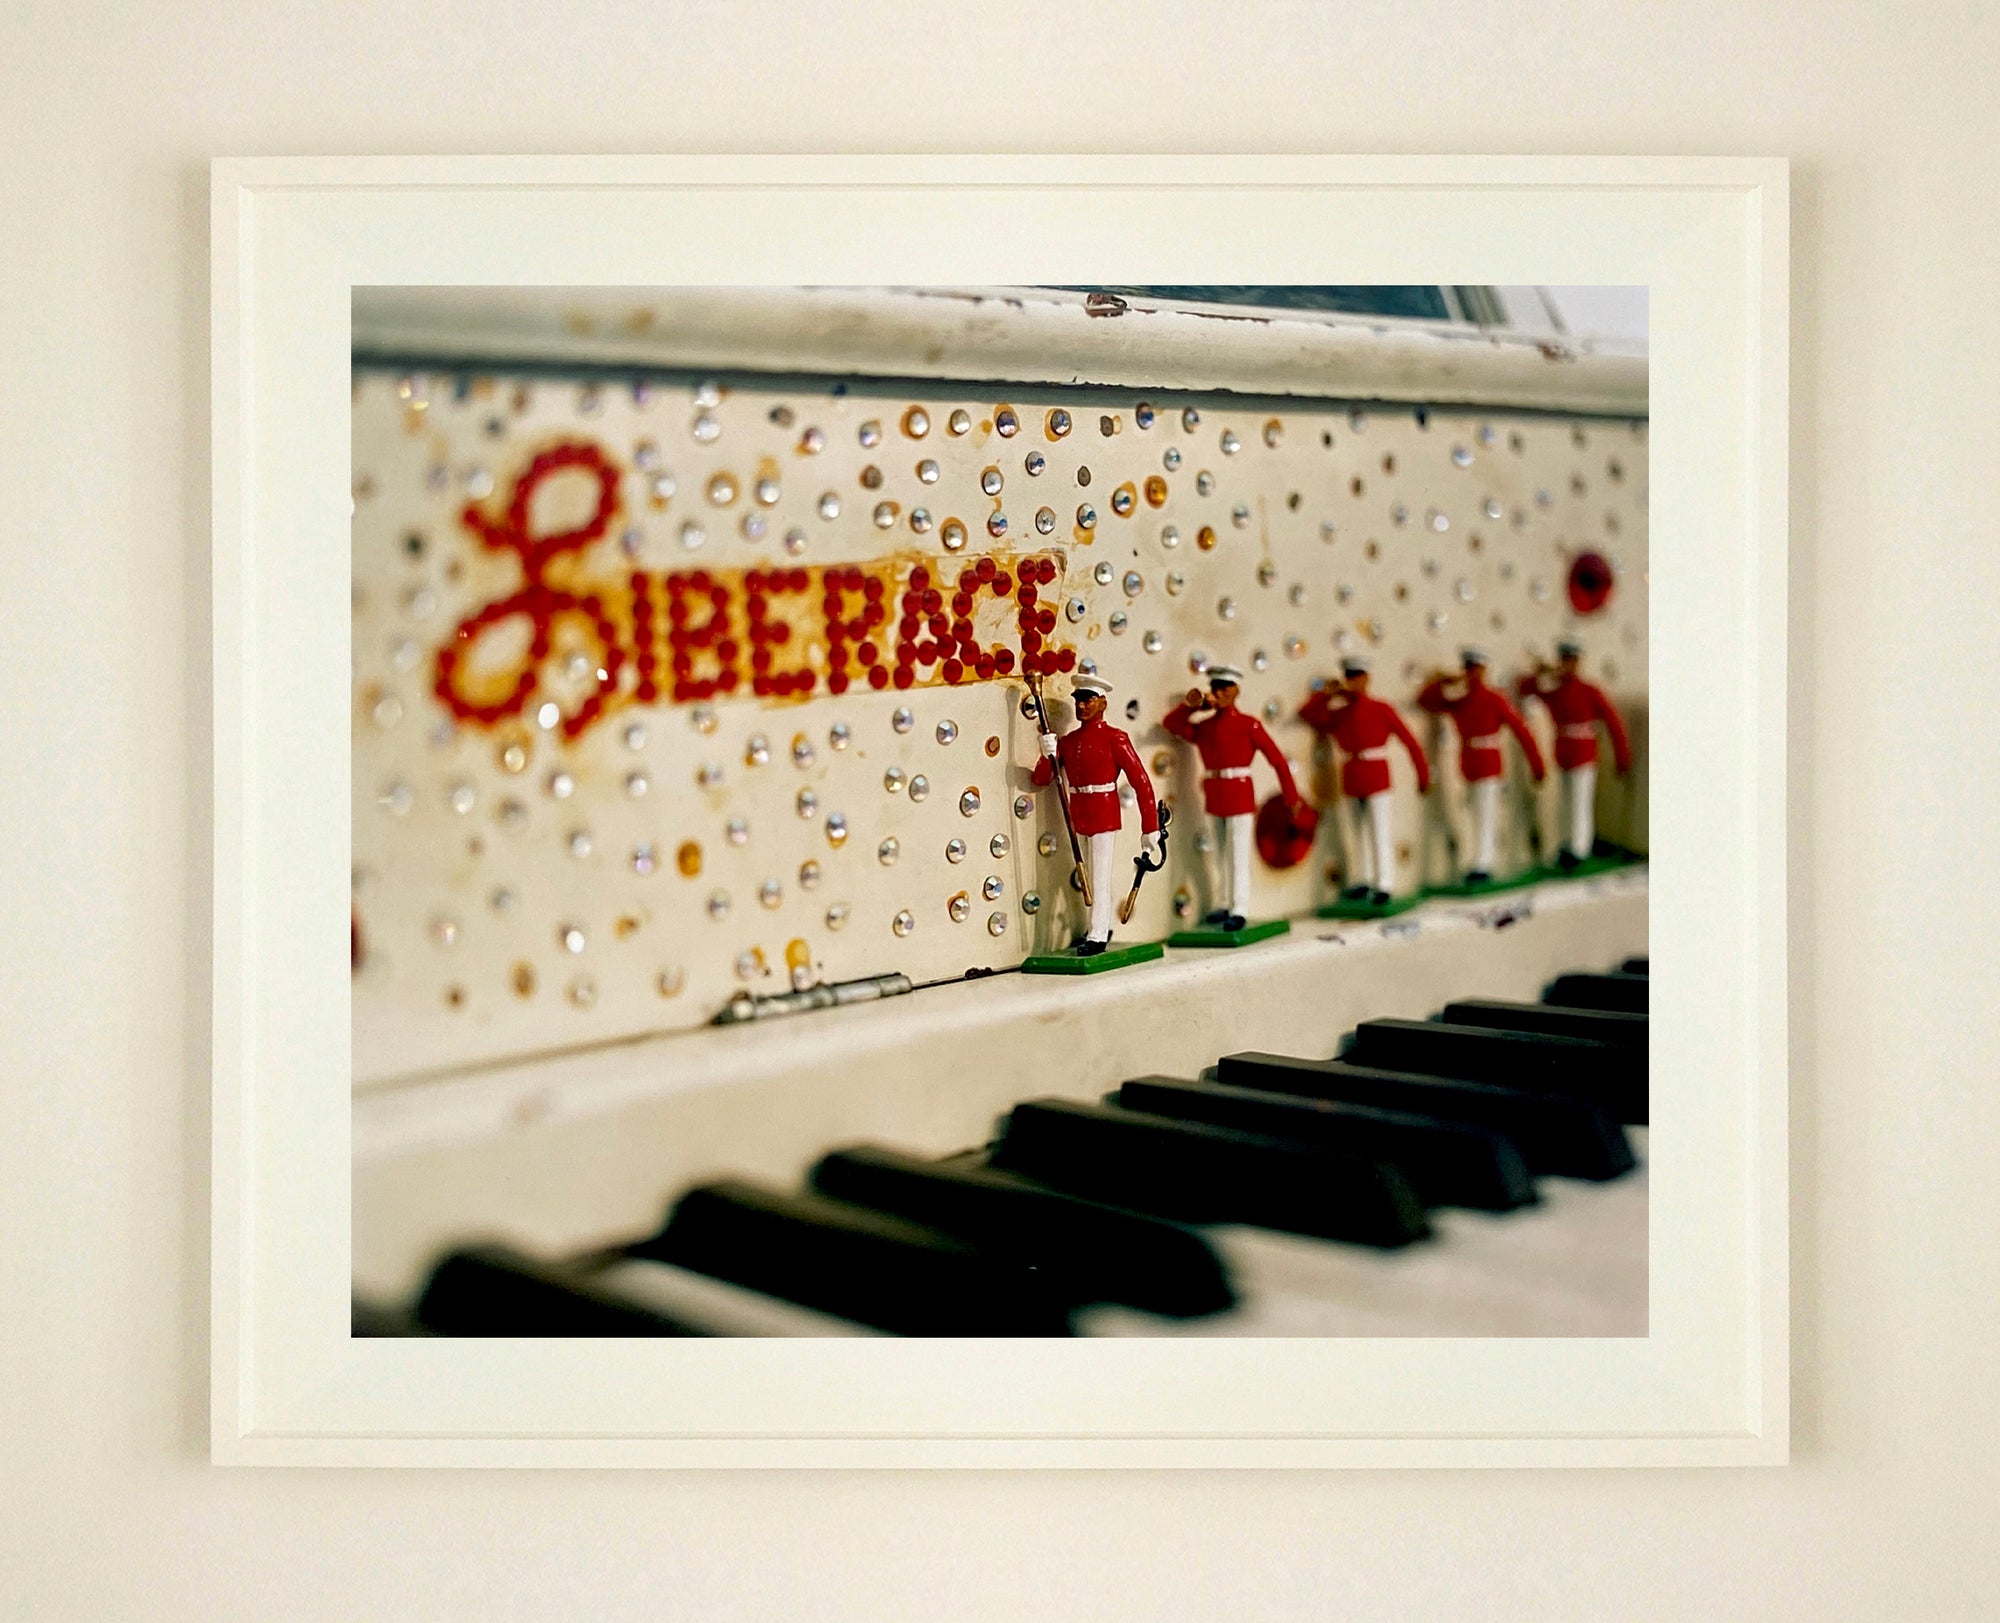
1210, 937
1368, 910
1495, 886
1066, 963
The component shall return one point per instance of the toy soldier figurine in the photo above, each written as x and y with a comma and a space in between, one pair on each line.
1362, 726
1479, 712
1577, 707
1229, 741
1085, 764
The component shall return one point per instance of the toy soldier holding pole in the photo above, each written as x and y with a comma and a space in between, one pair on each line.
1229, 741
1578, 709
1085, 764
1479, 712
1362, 725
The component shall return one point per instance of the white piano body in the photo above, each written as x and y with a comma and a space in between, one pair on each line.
554, 897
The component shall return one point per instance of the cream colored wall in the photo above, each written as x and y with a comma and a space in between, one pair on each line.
110, 114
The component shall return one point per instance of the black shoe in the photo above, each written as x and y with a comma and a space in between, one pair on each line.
1478, 876
1217, 916
1086, 948
1355, 893
1234, 921
1568, 861
1379, 898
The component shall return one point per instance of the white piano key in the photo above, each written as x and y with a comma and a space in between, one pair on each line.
1575, 1265
719, 1308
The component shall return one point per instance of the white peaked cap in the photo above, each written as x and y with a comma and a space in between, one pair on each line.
1473, 656
1224, 673
1566, 646
1355, 665
1089, 684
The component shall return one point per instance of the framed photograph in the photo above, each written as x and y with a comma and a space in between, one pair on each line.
1000, 811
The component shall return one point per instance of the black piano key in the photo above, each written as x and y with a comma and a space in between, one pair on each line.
1092, 1252
1447, 1163
1615, 991
1599, 1025
1555, 1134
854, 1263
493, 1290
1610, 1076
1208, 1174
1633, 966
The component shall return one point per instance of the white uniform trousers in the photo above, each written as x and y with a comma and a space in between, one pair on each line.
1234, 835
1370, 847
1579, 809
1483, 797
1103, 878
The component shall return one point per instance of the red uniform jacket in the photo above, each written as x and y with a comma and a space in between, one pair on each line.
1479, 716
1092, 756
1362, 726
1229, 741
1578, 707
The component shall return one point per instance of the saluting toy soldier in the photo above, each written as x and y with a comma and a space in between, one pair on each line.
1229, 741
1479, 712
1578, 709
1362, 725
1084, 764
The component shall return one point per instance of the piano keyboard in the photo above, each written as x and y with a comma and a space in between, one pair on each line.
1478, 1172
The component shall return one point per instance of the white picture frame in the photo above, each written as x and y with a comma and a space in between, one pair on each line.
293, 237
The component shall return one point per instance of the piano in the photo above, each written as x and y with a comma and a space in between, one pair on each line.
688, 635
1480, 1171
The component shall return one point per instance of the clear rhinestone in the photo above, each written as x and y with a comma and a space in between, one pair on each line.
1170, 459
808, 874
1117, 624
547, 716
807, 803
947, 731
892, 780
644, 859
870, 434
580, 843
1204, 483
1034, 462
1190, 417
1059, 423
996, 923
749, 964
968, 803
952, 535
396, 799
570, 938
1230, 443
1045, 520
920, 787
994, 888
884, 515
1259, 660
954, 851
888, 851
706, 429
737, 831
767, 492
693, 536
1024, 807
1175, 582
583, 992
927, 471
1006, 423
636, 784
837, 915
836, 829
959, 907
802, 751
991, 482
795, 541
757, 750
718, 904
502, 900
829, 504
903, 923
920, 520
770, 893
1075, 609
1031, 904
960, 421
463, 798
1086, 517
1152, 642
